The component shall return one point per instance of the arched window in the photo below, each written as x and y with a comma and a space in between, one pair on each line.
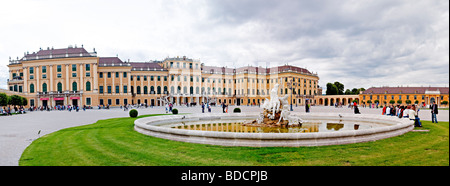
44, 87
178, 90
172, 89
165, 90
152, 90
197, 90
74, 86
59, 87
184, 90
145, 90
191, 90
31, 88
138, 89
88, 86
158, 89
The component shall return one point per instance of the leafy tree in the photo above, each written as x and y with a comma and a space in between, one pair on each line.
331, 89
3, 99
399, 101
15, 100
348, 92
24, 101
340, 88
392, 101
408, 101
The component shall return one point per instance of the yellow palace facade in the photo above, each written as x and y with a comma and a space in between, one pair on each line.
73, 76
423, 96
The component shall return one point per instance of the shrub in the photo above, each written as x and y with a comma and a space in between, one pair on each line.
237, 110
174, 111
133, 113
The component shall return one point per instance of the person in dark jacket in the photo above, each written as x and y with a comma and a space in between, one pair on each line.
434, 112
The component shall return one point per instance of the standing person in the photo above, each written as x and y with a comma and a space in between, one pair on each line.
388, 110
167, 107
434, 111
307, 107
223, 107
226, 109
203, 107
356, 110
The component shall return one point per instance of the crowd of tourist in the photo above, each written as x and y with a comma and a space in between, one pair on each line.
403, 111
8, 111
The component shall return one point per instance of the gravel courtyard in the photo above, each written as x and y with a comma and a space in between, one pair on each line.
18, 131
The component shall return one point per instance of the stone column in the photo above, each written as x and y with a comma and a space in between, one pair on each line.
51, 79
38, 86
25, 79
67, 78
95, 76
81, 78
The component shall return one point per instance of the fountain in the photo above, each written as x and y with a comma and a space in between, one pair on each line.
276, 113
273, 127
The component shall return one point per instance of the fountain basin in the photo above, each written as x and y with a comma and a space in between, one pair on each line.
167, 127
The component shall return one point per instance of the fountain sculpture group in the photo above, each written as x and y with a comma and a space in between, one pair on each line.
276, 112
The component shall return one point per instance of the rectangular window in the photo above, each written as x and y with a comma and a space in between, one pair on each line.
44, 76
109, 101
165, 78
151, 78
88, 67
101, 102
117, 89
31, 77
125, 74
100, 89
31, 70
88, 101
145, 78
59, 75
74, 67
159, 78
125, 89
109, 74
101, 75
109, 89
117, 74
88, 74
58, 68
44, 69
117, 101
74, 74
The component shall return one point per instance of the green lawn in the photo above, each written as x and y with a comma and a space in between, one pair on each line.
113, 142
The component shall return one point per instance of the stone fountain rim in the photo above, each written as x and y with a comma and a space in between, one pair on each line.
150, 126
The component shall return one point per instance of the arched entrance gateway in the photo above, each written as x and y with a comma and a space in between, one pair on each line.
330, 100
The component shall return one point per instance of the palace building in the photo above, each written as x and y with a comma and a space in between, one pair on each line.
73, 76
423, 96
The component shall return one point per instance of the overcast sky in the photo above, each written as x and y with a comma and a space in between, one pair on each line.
360, 43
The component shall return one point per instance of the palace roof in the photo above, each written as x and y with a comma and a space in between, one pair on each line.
406, 90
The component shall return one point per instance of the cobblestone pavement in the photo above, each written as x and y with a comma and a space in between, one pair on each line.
18, 131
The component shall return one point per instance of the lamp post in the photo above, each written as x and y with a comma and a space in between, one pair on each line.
291, 86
